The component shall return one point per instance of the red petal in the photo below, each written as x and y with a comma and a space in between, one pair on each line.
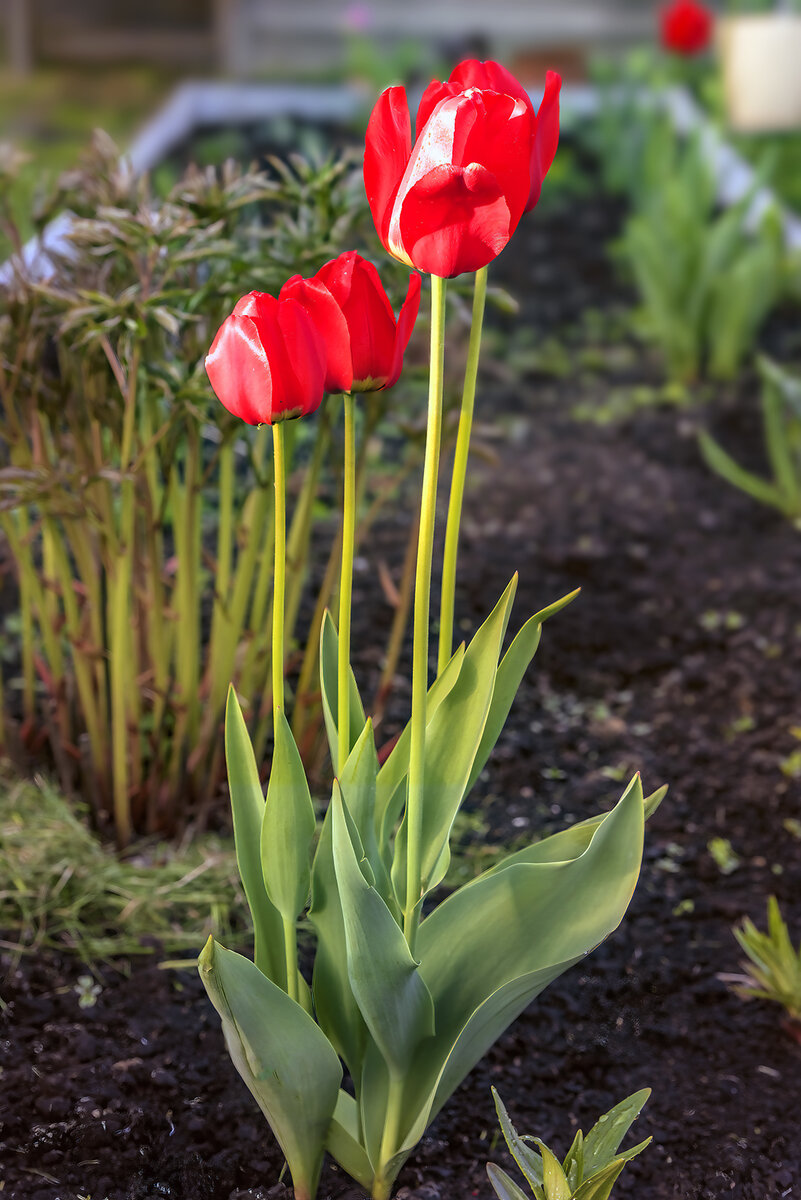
490, 77
454, 219
329, 321
257, 305
403, 331
388, 144
302, 361
546, 137
435, 92
357, 288
502, 139
239, 370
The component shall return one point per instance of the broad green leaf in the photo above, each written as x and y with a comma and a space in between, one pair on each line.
343, 1141
513, 667
247, 806
452, 738
393, 770
527, 1159
554, 1180
505, 1187
568, 843
601, 1143
599, 1186
489, 948
329, 649
287, 828
385, 980
335, 1006
358, 787
282, 1055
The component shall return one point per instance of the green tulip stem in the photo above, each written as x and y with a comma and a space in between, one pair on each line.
422, 605
459, 473
390, 1136
279, 579
291, 952
346, 585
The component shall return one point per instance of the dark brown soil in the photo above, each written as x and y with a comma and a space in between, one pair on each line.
681, 658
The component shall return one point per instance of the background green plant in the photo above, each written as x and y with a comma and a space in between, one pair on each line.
591, 1166
140, 527
706, 283
773, 966
781, 425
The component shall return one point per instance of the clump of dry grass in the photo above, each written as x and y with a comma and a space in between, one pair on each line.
61, 889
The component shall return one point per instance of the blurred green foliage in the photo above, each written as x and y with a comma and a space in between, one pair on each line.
51, 114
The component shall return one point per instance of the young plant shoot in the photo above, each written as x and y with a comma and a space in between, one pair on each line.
590, 1168
406, 999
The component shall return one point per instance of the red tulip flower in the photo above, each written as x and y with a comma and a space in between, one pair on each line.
365, 344
268, 360
451, 201
686, 27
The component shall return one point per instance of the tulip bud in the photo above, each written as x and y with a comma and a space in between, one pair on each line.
268, 361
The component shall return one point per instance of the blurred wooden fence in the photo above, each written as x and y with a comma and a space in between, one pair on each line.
241, 37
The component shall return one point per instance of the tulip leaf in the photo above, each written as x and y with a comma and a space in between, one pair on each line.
247, 805
329, 650
385, 980
601, 1143
282, 1055
505, 1187
513, 667
394, 769
569, 843
452, 736
358, 786
527, 1159
287, 827
336, 1009
343, 1142
492, 946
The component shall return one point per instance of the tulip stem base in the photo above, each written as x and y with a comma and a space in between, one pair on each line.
390, 1137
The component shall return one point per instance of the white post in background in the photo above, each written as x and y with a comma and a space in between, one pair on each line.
19, 35
228, 35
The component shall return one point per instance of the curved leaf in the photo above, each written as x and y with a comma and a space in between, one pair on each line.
602, 1142
343, 1141
385, 980
491, 947
287, 827
505, 1187
336, 1009
513, 667
358, 787
247, 806
393, 770
282, 1055
452, 738
329, 650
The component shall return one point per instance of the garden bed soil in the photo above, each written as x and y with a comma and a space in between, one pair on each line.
681, 658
